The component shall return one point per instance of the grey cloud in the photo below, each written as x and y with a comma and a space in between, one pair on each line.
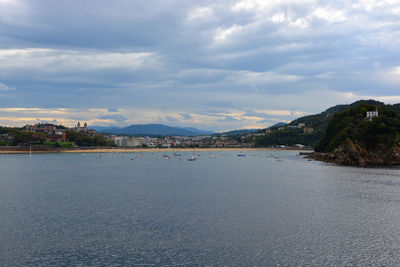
228, 119
116, 117
171, 119
199, 55
4, 87
186, 116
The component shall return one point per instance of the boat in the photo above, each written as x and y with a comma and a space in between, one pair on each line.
30, 151
192, 158
241, 155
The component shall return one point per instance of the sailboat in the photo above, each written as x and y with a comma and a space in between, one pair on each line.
30, 151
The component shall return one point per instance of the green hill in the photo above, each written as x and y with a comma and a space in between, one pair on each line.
319, 123
352, 139
352, 123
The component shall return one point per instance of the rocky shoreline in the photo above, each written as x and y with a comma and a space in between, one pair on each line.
353, 154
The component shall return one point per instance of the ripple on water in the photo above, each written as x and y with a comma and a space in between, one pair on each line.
69, 210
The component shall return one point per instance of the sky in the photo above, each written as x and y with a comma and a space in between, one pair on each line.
215, 65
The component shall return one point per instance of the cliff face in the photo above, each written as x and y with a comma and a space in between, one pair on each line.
353, 154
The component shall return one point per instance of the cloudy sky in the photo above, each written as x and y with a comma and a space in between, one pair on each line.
216, 65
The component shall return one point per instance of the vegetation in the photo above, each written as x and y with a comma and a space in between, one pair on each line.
82, 139
24, 137
5, 143
8, 130
59, 144
19, 136
351, 124
288, 137
319, 122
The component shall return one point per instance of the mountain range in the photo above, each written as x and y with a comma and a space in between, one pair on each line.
152, 130
164, 130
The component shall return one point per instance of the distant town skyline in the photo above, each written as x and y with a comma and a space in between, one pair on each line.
213, 65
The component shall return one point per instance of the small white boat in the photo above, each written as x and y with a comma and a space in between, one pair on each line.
192, 158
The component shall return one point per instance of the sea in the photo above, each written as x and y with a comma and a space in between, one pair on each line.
262, 208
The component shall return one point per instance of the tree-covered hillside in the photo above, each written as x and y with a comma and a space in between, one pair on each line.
352, 124
288, 137
319, 123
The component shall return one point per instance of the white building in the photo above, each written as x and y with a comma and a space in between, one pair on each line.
134, 141
372, 114
120, 141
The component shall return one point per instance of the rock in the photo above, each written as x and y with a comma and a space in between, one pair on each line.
353, 154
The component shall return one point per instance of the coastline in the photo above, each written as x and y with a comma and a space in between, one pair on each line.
135, 150
364, 161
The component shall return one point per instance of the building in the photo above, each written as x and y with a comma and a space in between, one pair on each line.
120, 141
57, 137
52, 133
134, 141
41, 128
372, 114
81, 129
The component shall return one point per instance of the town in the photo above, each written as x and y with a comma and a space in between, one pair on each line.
83, 136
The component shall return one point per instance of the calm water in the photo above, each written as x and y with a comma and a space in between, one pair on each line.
77, 210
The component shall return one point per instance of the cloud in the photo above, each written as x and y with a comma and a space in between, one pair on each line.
228, 119
248, 61
4, 87
171, 119
392, 76
52, 61
200, 13
115, 117
186, 116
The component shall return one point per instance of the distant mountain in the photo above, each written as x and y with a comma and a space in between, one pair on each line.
192, 129
151, 130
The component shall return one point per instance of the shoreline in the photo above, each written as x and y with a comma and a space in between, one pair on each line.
350, 160
136, 150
